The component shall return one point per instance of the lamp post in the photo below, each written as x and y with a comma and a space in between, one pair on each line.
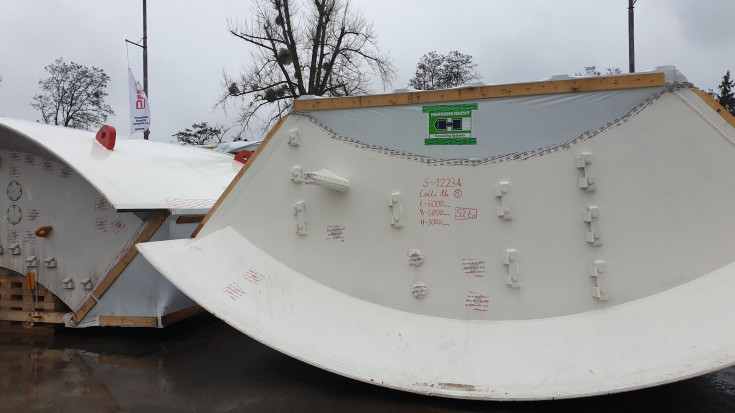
145, 60
631, 47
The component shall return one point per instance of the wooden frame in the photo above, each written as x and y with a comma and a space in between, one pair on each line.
166, 319
32, 316
239, 175
190, 219
587, 84
709, 100
28, 302
115, 272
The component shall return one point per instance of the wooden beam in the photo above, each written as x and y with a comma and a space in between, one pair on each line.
115, 272
239, 175
32, 316
123, 321
118, 268
83, 310
189, 219
181, 315
709, 100
12, 291
587, 84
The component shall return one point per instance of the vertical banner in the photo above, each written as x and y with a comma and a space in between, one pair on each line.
140, 114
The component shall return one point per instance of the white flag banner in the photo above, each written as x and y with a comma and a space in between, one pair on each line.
140, 114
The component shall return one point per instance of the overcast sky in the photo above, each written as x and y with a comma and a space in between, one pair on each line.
189, 46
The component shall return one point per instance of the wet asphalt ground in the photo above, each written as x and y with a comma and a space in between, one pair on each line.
203, 365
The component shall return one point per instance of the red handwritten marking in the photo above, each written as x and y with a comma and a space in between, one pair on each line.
473, 267
336, 233
253, 276
477, 301
234, 291
443, 182
463, 214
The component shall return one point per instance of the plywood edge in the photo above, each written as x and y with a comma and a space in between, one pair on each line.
189, 219
125, 321
239, 175
179, 315
118, 268
715, 105
588, 84
32, 316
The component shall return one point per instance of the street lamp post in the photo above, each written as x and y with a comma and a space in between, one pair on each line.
631, 47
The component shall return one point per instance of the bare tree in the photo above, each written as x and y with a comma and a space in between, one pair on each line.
302, 47
73, 95
201, 134
592, 71
438, 71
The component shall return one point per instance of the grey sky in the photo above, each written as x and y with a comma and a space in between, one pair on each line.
189, 46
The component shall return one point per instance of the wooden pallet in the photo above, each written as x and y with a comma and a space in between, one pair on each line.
28, 308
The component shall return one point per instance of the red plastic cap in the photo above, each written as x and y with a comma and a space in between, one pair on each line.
106, 136
243, 156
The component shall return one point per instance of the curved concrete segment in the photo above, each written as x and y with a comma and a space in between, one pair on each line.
597, 264
671, 336
137, 175
71, 211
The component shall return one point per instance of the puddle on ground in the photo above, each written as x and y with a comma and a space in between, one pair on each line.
203, 365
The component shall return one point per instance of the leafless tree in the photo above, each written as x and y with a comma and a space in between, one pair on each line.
73, 95
302, 47
201, 134
592, 71
438, 71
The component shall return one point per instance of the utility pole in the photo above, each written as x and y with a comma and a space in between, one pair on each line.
145, 61
631, 46
144, 46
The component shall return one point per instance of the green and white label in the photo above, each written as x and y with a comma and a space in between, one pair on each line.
450, 124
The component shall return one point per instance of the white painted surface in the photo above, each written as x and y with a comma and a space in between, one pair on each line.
137, 174
669, 336
332, 285
63, 178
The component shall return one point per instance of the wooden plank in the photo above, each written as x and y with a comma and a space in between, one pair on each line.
15, 283
239, 175
123, 321
35, 316
12, 303
118, 268
709, 100
589, 84
189, 219
12, 291
115, 272
83, 310
181, 315
27, 304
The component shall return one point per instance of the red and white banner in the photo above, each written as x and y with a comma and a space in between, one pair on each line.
140, 114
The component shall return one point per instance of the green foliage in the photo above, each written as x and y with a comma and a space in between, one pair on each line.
726, 98
73, 95
438, 71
